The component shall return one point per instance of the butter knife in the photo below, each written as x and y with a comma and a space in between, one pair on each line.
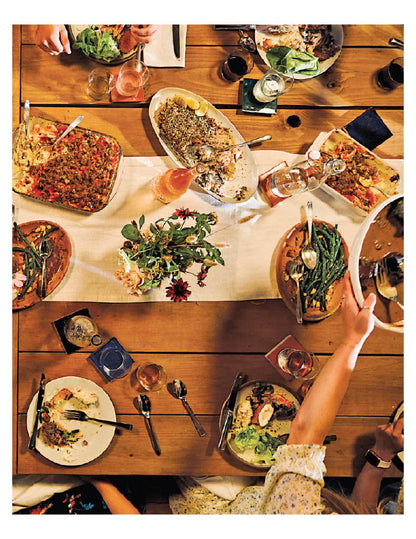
41, 393
176, 43
230, 410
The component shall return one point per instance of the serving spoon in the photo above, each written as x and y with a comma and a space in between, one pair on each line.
45, 251
296, 272
44, 151
180, 391
206, 152
308, 253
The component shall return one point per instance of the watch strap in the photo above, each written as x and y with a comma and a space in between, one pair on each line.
372, 458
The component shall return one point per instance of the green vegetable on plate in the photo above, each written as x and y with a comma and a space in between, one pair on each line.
100, 45
296, 62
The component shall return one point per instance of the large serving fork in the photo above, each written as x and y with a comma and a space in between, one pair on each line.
384, 287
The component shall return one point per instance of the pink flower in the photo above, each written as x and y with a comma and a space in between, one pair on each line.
18, 279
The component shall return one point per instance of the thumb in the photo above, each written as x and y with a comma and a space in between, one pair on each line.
370, 301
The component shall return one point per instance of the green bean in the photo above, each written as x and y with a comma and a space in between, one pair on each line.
32, 250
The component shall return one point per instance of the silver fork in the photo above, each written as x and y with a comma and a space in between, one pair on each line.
384, 287
82, 416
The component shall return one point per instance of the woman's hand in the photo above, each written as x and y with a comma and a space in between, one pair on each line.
144, 33
53, 38
358, 323
389, 439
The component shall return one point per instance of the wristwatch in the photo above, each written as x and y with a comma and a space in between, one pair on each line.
372, 457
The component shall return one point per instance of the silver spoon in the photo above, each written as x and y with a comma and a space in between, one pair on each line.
145, 406
308, 252
45, 250
206, 152
296, 272
180, 391
70, 127
43, 152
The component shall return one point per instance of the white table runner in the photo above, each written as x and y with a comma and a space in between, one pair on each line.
251, 231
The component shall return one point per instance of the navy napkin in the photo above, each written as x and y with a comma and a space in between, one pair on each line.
369, 129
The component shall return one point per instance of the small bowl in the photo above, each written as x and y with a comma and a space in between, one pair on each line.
354, 261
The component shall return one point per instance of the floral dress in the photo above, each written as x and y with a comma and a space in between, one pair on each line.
292, 486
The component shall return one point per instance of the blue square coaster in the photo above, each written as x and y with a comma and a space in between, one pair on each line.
112, 360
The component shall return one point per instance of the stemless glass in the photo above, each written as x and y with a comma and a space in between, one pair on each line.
81, 331
298, 363
100, 83
132, 77
239, 63
152, 377
274, 83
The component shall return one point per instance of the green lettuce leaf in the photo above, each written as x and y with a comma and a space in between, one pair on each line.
97, 44
294, 61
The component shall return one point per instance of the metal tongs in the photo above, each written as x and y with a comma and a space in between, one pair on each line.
144, 405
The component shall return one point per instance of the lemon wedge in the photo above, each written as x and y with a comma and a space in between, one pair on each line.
202, 109
180, 100
192, 103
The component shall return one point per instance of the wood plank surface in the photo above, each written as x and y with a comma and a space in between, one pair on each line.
133, 130
206, 327
350, 82
186, 453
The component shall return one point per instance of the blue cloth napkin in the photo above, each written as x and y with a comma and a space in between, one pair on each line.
369, 129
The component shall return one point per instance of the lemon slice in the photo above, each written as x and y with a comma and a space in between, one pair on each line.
202, 109
180, 100
192, 103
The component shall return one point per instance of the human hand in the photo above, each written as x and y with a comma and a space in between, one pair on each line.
53, 38
358, 323
389, 439
144, 33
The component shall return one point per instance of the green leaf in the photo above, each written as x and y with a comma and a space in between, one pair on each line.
141, 221
130, 232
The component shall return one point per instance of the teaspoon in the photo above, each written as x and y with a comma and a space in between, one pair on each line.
180, 391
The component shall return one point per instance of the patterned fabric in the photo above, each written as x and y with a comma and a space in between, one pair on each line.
292, 486
81, 500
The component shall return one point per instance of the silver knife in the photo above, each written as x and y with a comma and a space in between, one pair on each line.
176, 44
230, 410
41, 393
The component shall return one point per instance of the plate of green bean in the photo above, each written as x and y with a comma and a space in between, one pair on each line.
321, 289
27, 262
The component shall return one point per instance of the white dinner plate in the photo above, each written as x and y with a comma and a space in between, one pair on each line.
97, 435
336, 31
246, 170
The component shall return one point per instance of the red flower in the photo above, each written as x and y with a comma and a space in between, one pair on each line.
202, 275
178, 290
184, 213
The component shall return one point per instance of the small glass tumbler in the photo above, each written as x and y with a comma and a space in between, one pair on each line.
82, 331
152, 377
132, 77
239, 63
100, 83
272, 84
392, 75
298, 363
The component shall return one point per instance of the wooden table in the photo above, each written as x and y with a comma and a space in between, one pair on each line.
205, 343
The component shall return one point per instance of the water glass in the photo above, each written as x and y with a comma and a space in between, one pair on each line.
392, 75
100, 83
132, 77
152, 377
82, 331
239, 63
272, 84
298, 363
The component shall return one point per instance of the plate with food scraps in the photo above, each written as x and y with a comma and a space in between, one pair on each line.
322, 287
67, 441
104, 43
27, 264
381, 236
79, 173
367, 180
181, 118
262, 417
308, 50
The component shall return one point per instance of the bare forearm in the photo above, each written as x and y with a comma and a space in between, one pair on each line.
117, 503
367, 486
320, 406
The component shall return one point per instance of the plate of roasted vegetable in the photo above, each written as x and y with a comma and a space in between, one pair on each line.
27, 262
321, 289
104, 43
181, 120
261, 422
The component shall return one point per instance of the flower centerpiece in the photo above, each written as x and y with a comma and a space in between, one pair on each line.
167, 249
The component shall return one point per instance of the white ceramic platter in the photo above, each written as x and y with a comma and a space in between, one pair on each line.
246, 170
